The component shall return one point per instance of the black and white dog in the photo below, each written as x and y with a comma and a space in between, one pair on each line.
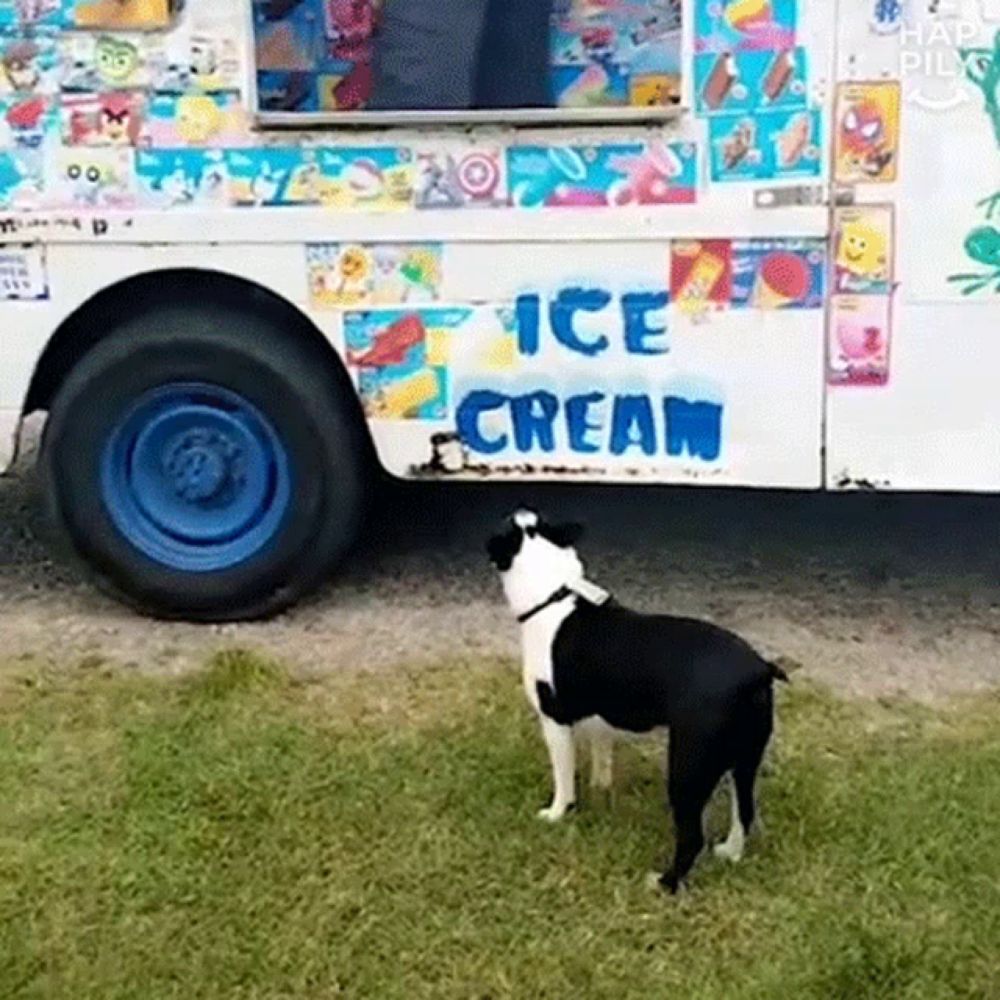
591, 664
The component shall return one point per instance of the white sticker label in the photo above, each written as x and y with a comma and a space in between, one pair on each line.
22, 273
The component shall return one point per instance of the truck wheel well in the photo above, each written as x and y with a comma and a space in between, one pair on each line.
85, 327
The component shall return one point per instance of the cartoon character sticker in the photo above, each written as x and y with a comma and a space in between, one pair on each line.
863, 253
401, 360
182, 178
98, 63
112, 119
744, 25
201, 61
25, 122
376, 178
471, 177
28, 66
278, 175
859, 340
373, 274
350, 25
886, 16
36, 13
197, 120
701, 275
92, 178
778, 274
749, 81
866, 139
654, 173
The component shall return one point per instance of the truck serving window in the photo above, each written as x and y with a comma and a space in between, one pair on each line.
383, 62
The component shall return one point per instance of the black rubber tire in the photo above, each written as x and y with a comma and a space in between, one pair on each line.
289, 380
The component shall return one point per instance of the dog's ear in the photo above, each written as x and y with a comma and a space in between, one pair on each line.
564, 535
502, 548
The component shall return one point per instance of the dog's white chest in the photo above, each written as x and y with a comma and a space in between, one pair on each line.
537, 639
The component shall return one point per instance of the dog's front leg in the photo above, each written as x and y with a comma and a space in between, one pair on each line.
562, 755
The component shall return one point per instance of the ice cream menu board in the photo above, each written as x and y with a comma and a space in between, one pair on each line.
751, 81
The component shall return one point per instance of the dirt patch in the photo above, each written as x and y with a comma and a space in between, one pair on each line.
874, 595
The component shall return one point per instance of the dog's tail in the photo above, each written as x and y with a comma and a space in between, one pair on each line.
778, 671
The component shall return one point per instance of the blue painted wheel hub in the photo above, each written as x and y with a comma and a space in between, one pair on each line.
196, 477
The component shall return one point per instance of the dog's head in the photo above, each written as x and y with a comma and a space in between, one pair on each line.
535, 557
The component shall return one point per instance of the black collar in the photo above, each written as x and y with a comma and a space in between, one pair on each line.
554, 598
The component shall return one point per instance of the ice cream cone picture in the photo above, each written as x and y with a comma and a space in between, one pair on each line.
783, 280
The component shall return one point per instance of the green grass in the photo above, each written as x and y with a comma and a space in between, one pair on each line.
244, 835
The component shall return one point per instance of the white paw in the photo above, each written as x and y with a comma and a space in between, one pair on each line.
653, 883
554, 813
729, 852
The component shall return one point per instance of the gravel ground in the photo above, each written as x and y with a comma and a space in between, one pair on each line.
875, 595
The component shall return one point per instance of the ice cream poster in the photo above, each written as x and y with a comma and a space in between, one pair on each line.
863, 238
859, 340
749, 81
653, 173
182, 178
744, 25
617, 55
701, 275
866, 137
401, 359
271, 176
378, 178
766, 146
778, 274
373, 274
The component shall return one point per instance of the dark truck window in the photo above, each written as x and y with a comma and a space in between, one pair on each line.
329, 61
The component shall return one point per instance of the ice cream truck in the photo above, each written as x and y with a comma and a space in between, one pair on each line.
751, 243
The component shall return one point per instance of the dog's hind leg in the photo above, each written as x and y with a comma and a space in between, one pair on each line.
731, 849
562, 756
602, 761
695, 768
754, 734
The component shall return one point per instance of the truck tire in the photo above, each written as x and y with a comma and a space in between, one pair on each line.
203, 464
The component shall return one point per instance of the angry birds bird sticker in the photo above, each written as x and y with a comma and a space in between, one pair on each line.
866, 138
112, 119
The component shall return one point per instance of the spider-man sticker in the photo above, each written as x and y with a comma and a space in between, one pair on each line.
866, 138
